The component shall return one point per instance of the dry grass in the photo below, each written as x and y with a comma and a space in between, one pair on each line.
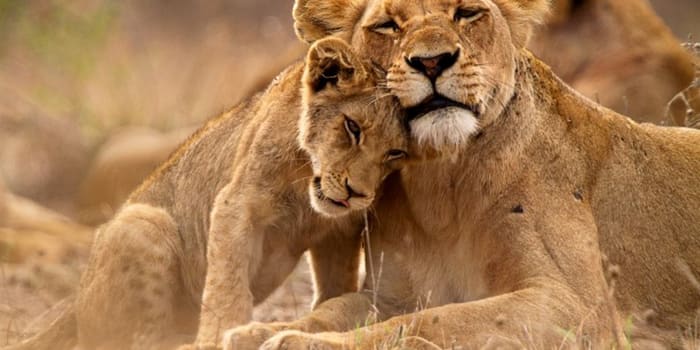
684, 108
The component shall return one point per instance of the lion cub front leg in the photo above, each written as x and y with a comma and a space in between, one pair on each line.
232, 252
335, 261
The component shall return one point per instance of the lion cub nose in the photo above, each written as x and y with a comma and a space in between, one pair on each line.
352, 192
433, 66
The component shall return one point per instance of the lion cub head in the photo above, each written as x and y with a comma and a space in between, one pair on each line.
351, 128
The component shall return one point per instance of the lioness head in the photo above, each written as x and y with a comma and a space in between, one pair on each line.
451, 63
351, 128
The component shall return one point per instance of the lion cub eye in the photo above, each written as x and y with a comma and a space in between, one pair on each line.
395, 154
388, 27
468, 15
353, 130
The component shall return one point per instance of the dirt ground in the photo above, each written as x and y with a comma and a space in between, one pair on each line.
28, 292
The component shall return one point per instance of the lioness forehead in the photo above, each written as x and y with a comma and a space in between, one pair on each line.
405, 9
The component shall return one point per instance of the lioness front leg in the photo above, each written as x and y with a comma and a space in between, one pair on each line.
505, 320
227, 300
335, 263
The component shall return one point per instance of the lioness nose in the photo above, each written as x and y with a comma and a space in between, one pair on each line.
433, 66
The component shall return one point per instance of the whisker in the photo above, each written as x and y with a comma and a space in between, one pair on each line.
303, 178
305, 164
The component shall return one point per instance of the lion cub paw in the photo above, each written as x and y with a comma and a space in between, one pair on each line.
250, 336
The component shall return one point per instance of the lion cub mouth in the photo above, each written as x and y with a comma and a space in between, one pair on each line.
434, 103
321, 196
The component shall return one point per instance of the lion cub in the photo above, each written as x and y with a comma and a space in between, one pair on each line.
226, 219
354, 137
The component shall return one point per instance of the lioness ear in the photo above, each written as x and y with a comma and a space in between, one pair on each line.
316, 19
522, 16
563, 10
332, 62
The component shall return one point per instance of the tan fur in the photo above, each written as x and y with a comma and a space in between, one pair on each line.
234, 202
558, 216
617, 52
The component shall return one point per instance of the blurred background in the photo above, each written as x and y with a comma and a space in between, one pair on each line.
94, 93
160, 63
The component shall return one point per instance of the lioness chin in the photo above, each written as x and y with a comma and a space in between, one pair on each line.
233, 204
557, 216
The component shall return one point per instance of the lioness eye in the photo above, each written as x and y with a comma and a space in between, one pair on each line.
354, 131
395, 154
388, 27
469, 15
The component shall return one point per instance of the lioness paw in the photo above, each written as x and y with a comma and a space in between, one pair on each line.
250, 336
293, 340
199, 347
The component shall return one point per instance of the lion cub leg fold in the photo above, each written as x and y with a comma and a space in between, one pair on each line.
129, 295
234, 250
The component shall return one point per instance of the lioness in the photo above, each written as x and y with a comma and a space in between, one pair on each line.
234, 202
556, 217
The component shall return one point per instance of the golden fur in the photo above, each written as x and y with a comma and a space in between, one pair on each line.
234, 202
557, 216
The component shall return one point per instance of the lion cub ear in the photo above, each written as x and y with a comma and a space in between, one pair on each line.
332, 62
317, 19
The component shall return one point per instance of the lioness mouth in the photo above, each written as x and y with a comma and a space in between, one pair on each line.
433, 103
